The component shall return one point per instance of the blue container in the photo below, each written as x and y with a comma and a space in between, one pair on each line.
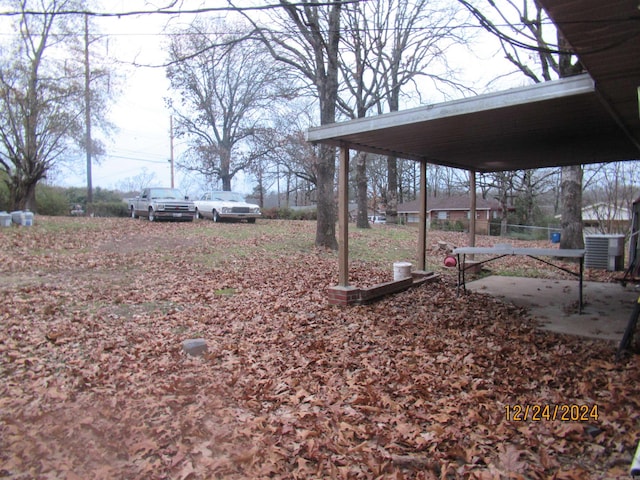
555, 237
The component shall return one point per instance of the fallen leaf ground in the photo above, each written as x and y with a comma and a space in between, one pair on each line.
95, 384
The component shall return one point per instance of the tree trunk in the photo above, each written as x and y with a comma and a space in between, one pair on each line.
260, 182
326, 225
503, 224
327, 49
22, 195
30, 198
362, 220
392, 190
571, 197
503, 189
571, 176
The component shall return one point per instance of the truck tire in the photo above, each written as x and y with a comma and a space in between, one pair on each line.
133, 213
152, 217
215, 216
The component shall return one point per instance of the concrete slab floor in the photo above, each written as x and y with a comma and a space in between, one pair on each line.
554, 303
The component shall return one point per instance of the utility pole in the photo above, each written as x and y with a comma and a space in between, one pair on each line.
171, 147
87, 109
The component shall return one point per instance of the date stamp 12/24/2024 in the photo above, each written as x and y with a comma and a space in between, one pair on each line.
569, 412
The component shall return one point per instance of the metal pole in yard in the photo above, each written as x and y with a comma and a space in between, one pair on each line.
171, 147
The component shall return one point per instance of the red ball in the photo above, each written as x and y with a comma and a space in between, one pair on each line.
450, 261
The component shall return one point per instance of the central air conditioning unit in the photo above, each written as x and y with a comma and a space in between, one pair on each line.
605, 252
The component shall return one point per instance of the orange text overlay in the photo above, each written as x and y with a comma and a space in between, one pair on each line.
569, 412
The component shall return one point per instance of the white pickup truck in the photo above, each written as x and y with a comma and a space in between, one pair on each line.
162, 204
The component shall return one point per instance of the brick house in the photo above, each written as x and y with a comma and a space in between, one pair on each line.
453, 211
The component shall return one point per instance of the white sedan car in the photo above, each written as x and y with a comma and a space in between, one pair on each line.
219, 205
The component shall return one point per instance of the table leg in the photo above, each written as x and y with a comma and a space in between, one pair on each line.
464, 269
459, 274
580, 286
461, 280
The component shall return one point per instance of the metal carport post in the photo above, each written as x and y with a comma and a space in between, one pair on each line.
343, 217
422, 234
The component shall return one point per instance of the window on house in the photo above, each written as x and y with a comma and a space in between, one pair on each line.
442, 215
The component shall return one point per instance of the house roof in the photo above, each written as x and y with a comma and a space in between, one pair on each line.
453, 202
608, 211
590, 118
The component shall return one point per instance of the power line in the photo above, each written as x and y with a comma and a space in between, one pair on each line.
494, 29
135, 159
177, 12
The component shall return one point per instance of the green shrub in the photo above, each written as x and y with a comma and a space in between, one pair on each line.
304, 214
4, 193
51, 201
288, 214
448, 226
284, 213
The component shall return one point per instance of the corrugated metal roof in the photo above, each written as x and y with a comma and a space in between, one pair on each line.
584, 119
606, 37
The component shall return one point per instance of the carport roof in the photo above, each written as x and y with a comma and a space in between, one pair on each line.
589, 118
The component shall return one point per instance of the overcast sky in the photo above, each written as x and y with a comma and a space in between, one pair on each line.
142, 140
139, 114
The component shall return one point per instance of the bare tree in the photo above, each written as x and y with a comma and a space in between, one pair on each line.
517, 191
392, 48
445, 181
42, 92
523, 28
227, 87
412, 37
360, 67
297, 162
377, 185
305, 36
290, 161
138, 182
408, 187
611, 190
533, 184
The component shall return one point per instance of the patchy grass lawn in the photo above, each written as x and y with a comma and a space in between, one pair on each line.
421, 385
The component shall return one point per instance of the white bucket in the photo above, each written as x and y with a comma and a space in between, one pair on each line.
24, 219
401, 270
5, 219
18, 217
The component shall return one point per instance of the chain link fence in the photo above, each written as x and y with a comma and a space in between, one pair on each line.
527, 232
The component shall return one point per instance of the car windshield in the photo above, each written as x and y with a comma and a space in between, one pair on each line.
227, 196
166, 193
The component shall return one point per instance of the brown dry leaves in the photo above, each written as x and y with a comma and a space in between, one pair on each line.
95, 383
